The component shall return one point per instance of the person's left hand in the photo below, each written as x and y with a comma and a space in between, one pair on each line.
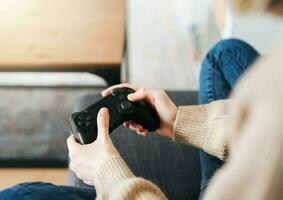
85, 159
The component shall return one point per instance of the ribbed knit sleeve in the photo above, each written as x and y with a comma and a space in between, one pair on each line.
111, 172
115, 181
205, 126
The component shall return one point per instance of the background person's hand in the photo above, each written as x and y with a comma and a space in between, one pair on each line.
159, 100
85, 159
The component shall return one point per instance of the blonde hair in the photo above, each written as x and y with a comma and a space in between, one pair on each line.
272, 6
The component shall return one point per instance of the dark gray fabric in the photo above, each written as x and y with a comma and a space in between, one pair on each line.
173, 167
34, 124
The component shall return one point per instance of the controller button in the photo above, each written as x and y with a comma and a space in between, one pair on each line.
115, 91
88, 117
125, 105
130, 90
122, 97
88, 124
122, 90
80, 123
81, 117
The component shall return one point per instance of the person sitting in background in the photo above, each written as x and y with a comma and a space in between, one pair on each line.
245, 132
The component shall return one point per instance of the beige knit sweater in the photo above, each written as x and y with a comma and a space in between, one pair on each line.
249, 130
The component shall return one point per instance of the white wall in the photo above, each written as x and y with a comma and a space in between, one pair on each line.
159, 42
260, 30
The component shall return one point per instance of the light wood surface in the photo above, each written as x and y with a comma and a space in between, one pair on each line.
219, 11
61, 32
12, 176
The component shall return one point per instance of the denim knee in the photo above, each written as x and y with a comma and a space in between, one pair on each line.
39, 190
33, 184
22, 191
238, 49
231, 43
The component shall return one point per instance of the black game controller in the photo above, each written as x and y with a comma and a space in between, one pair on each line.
84, 126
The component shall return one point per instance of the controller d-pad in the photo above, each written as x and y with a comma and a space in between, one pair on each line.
85, 116
83, 120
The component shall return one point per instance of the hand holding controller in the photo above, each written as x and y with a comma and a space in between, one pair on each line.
84, 126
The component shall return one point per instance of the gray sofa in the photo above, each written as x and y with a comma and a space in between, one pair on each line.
173, 167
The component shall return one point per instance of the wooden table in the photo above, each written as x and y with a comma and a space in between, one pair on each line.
63, 35
12, 176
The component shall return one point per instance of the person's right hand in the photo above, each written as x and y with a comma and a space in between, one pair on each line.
159, 100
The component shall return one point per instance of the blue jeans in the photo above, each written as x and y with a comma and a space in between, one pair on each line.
222, 67
46, 191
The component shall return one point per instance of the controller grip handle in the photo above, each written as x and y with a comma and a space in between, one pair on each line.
148, 118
